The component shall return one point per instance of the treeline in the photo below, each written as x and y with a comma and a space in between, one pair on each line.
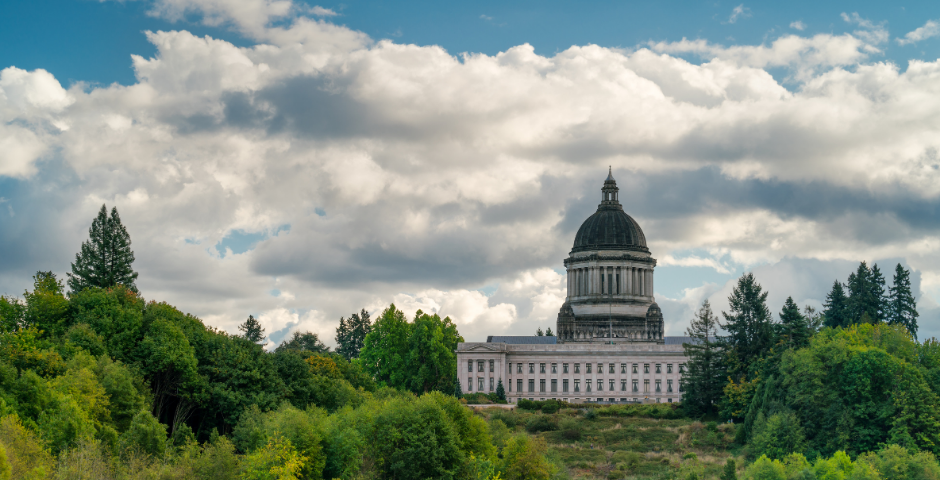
852, 379
98, 383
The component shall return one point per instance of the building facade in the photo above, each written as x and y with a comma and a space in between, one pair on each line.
610, 345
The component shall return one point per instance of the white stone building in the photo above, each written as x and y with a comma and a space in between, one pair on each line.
610, 343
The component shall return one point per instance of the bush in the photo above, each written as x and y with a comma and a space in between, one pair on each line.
510, 418
529, 404
570, 429
541, 423
551, 406
590, 414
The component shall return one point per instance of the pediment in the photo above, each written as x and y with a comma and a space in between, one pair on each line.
482, 348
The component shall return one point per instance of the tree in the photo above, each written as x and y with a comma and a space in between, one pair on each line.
431, 359
500, 391
730, 471
523, 459
866, 295
750, 332
304, 342
548, 332
46, 306
105, 258
877, 294
902, 308
703, 379
836, 307
538, 333
794, 330
385, 350
458, 392
252, 330
350, 334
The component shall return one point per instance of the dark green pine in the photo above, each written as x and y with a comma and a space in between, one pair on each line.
902, 307
105, 259
836, 306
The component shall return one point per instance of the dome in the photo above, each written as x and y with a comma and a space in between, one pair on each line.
610, 228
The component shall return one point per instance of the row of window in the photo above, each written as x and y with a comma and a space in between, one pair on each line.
481, 383
577, 367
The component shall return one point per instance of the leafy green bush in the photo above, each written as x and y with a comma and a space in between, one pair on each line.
541, 423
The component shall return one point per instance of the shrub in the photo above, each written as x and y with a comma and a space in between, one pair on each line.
690, 456
541, 423
570, 429
765, 469
590, 414
730, 471
506, 416
528, 404
550, 406
712, 426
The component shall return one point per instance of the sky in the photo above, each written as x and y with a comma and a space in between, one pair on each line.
301, 161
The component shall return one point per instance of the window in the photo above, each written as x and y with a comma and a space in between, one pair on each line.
669, 368
668, 386
623, 385
531, 385
518, 368
554, 385
600, 368
492, 385
587, 368
564, 385
635, 368
611, 385
659, 368
470, 384
670, 400
680, 387
646, 368
587, 385
480, 366
635, 387
611, 368
681, 368
541, 368
636, 399
519, 385
659, 386
577, 368
600, 385
509, 384
564, 368
542, 385
531, 368
646, 386
623, 368
469, 365
509, 368
554, 368
577, 385
480, 384
492, 363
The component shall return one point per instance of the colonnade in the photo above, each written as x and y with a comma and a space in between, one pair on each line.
610, 280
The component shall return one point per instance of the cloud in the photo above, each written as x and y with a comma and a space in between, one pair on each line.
739, 12
798, 25
322, 12
456, 184
929, 30
872, 34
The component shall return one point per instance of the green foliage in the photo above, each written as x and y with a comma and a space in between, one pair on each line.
116, 315
302, 429
901, 306
46, 305
794, 330
541, 423
524, 459
778, 435
385, 350
765, 469
276, 460
500, 391
730, 471
26, 457
351, 334
83, 337
252, 330
5, 469
105, 258
12, 314
836, 307
865, 295
145, 435
704, 377
303, 342
750, 333
415, 440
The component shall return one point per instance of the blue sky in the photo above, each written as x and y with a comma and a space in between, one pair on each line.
301, 161
91, 41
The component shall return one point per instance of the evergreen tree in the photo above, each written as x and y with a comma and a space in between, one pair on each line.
813, 320
538, 333
303, 342
902, 308
351, 334
866, 295
500, 391
458, 392
252, 330
730, 471
836, 307
749, 325
704, 377
548, 332
105, 258
793, 328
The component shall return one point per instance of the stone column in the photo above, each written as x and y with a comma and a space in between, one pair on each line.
651, 282
643, 282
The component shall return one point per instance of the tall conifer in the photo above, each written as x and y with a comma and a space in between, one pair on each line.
703, 380
105, 258
836, 307
351, 334
794, 328
252, 330
902, 308
749, 325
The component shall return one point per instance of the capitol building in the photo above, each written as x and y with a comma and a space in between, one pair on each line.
610, 344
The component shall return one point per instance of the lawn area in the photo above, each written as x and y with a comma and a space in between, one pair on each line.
622, 442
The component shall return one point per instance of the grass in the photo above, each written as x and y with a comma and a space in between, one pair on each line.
623, 444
